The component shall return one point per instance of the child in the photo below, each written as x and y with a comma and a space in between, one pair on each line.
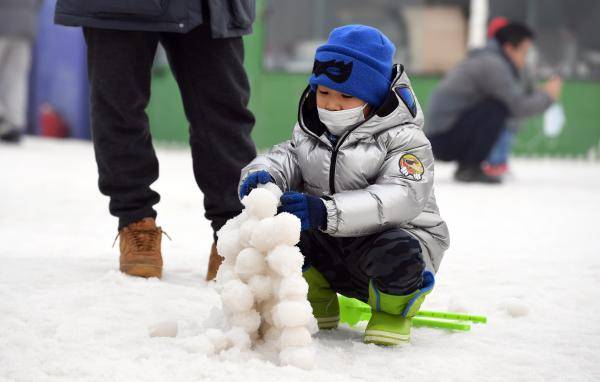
358, 173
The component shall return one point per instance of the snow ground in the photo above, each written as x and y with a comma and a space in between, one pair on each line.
526, 254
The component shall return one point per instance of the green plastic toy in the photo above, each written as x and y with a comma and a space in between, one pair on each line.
353, 311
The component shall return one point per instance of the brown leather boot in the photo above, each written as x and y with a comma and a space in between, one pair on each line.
140, 249
214, 262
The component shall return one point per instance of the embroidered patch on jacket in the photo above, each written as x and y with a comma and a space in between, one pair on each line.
411, 167
337, 71
407, 96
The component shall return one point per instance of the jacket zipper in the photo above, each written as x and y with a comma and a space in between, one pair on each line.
334, 154
332, 171
335, 149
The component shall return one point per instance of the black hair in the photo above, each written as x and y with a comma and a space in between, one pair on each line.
514, 34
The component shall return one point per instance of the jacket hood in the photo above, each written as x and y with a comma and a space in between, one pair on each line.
396, 110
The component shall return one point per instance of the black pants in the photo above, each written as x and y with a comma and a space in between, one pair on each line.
392, 260
215, 93
472, 137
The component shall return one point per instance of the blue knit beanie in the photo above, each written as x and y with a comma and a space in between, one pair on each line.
356, 60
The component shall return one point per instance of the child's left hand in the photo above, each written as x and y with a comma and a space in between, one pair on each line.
309, 209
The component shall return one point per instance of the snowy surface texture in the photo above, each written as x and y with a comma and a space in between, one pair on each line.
526, 254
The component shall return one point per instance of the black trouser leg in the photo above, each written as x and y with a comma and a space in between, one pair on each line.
215, 92
392, 260
472, 137
119, 69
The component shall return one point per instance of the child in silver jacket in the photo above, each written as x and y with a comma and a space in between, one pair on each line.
358, 173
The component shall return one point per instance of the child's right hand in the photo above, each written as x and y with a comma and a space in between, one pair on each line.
254, 179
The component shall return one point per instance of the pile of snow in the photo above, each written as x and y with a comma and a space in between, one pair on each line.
260, 282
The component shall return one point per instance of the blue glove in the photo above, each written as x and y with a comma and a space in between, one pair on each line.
309, 209
253, 180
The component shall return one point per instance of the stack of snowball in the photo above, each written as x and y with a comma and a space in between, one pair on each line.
262, 290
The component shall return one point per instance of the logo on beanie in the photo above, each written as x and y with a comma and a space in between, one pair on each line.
411, 167
337, 71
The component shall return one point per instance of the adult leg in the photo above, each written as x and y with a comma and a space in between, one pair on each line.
496, 164
215, 92
15, 60
472, 136
501, 149
478, 129
119, 70
445, 146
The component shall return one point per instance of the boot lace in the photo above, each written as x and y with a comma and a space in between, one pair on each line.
144, 239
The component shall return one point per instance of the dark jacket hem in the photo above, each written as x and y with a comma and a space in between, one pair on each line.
140, 25
150, 26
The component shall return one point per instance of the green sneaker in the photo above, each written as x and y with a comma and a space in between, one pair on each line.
323, 299
391, 315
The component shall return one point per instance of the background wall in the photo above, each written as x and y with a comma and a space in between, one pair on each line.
277, 87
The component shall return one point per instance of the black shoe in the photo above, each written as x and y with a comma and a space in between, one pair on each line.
11, 136
474, 173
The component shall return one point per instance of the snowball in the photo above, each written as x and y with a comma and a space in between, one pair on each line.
266, 311
291, 314
218, 339
260, 203
273, 188
285, 260
313, 325
299, 336
261, 286
516, 308
249, 321
246, 230
283, 229
293, 288
249, 262
237, 297
263, 237
302, 357
271, 334
238, 338
225, 273
163, 329
233, 224
287, 228
200, 344
228, 245
216, 319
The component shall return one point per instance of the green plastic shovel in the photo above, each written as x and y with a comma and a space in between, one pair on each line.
353, 311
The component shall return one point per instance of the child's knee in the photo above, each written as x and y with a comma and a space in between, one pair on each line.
395, 262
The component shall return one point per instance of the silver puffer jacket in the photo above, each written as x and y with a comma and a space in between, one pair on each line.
378, 175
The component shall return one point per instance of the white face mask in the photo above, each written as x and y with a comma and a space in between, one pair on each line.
338, 122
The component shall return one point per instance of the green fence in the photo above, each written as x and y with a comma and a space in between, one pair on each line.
274, 100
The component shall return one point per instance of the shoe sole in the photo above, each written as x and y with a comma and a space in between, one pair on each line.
328, 322
141, 270
384, 338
